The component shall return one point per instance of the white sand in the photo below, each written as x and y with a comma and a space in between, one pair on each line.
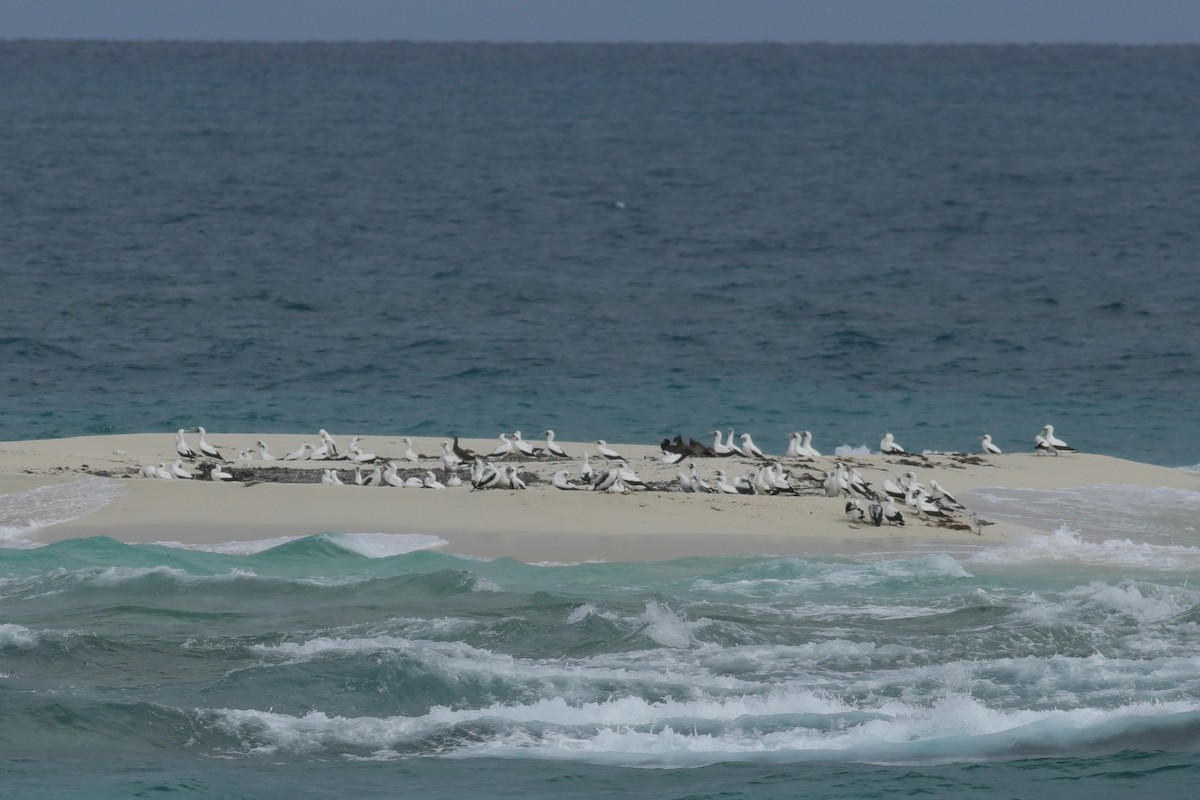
541, 524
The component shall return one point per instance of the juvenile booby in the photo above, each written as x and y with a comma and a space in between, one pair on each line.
875, 511
750, 449
454, 479
586, 474
854, 511
206, 448
888, 446
988, 447
606, 452
1041, 446
182, 447
1055, 442
329, 478
552, 446
177, 470
162, 473
514, 480
466, 454
262, 452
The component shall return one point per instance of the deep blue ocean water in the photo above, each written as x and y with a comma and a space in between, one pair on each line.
622, 242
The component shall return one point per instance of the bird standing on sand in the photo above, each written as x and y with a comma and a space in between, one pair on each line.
750, 449
607, 452
206, 448
182, 447
262, 452
552, 446
1053, 441
989, 448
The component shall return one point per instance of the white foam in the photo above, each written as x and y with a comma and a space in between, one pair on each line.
23, 513
17, 636
241, 548
845, 450
385, 545
1069, 545
1157, 514
785, 727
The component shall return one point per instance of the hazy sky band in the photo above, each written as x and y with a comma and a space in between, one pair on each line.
867, 21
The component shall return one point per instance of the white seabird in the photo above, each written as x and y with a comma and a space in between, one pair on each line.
892, 514
246, 455
698, 483
177, 470
262, 452
806, 448
988, 447
731, 444
888, 446
685, 481
1040, 446
320, 453
206, 448
514, 480
605, 451
355, 454
719, 447
940, 495
376, 477
431, 481
793, 450
329, 477
391, 478
409, 455
299, 453
218, 474
449, 459
523, 447
750, 449
182, 447
552, 446
506, 447
1053, 441
454, 479
723, 484
561, 481
330, 446
670, 459
586, 474
162, 473
854, 511
148, 471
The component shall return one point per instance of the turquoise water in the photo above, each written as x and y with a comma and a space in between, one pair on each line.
618, 242
338, 659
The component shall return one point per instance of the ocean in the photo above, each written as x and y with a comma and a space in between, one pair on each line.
622, 242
